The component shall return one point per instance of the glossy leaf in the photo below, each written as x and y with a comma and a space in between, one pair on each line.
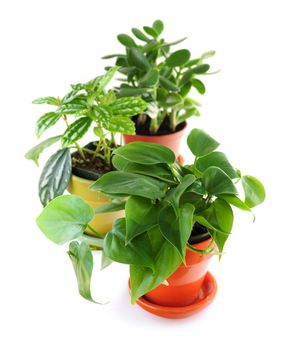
178, 58
54, 101
149, 79
118, 182
167, 84
46, 121
137, 58
140, 35
150, 31
190, 73
127, 106
158, 26
216, 181
131, 91
100, 113
234, 200
105, 79
55, 176
136, 252
141, 215
201, 143
122, 125
75, 131
199, 86
60, 220
254, 191
126, 40
146, 153
34, 153
173, 99
176, 42
110, 207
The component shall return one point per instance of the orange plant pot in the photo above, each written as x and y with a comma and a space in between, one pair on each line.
185, 283
171, 141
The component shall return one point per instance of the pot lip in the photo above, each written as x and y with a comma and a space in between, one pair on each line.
185, 124
201, 237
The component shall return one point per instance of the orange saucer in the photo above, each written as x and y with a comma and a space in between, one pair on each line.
206, 296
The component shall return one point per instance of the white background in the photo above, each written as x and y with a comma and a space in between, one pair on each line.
46, 45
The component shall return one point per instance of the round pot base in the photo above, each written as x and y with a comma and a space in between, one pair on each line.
206, 296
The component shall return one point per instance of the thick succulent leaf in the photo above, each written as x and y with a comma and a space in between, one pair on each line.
127, 106
146, 153
55, 176
167, 84
126, 40
76, 130
140, 35
141, 216
34, 153
216, 181
150, 31
158, 26
166, 261
201, 143
124, 184
46, 121
254, 191
54, 101
122, 125
65, 218
190, 73
199, 86
131, 91
136, 252
178, 58
150, 78
82, 260
138, 59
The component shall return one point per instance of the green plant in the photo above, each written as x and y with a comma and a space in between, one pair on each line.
89, 106
163, 202
161, 77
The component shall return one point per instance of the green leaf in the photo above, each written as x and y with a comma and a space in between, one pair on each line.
188, 74
176, 42
122, 125
153, 45
127, 106
140, 35
208, 54
191, 112
197, 187
65, 218
178, 58
118, 182
55, 176
141, 216
177, 229
131, 91
166, 261
108, 98
216, 159
82, 260
114, 55
101, 113
150, 31
234, 200
199, 86
110, 207
75, 131
150, 78
46, 121
54, 101
136, 252
216, 181
146, 153
126, 40
254, 191
201, 143
105, 79
167, 84
173, 99
137, 58
34, 153
158, 26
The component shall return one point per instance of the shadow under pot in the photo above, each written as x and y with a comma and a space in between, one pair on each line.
82, 178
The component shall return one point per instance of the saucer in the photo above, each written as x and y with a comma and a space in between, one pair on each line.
180, 159
206, 296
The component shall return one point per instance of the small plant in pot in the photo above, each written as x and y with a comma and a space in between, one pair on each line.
176, 218
85, 106
164, 79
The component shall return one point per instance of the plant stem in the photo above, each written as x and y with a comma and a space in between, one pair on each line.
141, 119
173, 119
113, 142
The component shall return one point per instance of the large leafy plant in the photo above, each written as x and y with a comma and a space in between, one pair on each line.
85, 106
164, 204
162, 77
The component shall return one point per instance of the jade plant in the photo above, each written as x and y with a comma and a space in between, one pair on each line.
165, 204
85, 106
162, 77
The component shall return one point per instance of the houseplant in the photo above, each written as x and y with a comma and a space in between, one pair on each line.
85, 106
174, 215
164, 79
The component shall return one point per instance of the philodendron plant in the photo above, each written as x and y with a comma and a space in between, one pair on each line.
161, 77
165, 203
85, 106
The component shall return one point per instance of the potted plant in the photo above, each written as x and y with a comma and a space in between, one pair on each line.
176, 218
164, 79
86, 106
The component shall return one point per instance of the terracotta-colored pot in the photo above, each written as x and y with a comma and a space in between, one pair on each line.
171, 141
185, 283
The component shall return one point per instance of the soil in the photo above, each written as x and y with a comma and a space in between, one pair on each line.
164, 129
199, 233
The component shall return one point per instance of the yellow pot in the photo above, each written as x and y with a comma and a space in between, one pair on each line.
102, 223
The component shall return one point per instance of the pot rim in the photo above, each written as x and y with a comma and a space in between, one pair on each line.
185, 124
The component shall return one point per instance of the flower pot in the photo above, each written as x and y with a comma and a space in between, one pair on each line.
171, 141
102, 223
184, 285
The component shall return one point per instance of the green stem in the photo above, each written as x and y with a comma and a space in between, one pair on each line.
173, 119
113, 142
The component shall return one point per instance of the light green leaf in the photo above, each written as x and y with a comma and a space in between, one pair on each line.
190, 73
199, 86
201, 143
110, 207
126, 40
34, 153
46, 121
140, 35
127, 106
178, 58
76, 130
254, 191
100, 113
216, 181
105, 79
122, 125
150, 31
158, 26
54, 101
65, 218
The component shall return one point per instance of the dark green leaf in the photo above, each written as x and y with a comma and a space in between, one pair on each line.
149, 79
254, 191
75, 131
110, 207
146, 153
55, 101
176, 42
113, 56
60, 220
173, 99
199, 86
201, 69
151, 31
46, 121
55, 176
140, 35
197, 187
216, 182
126, 40
137, 58
158, 26
201, 143
178, 58
34, 153
127, 106
130, 91
167, 84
